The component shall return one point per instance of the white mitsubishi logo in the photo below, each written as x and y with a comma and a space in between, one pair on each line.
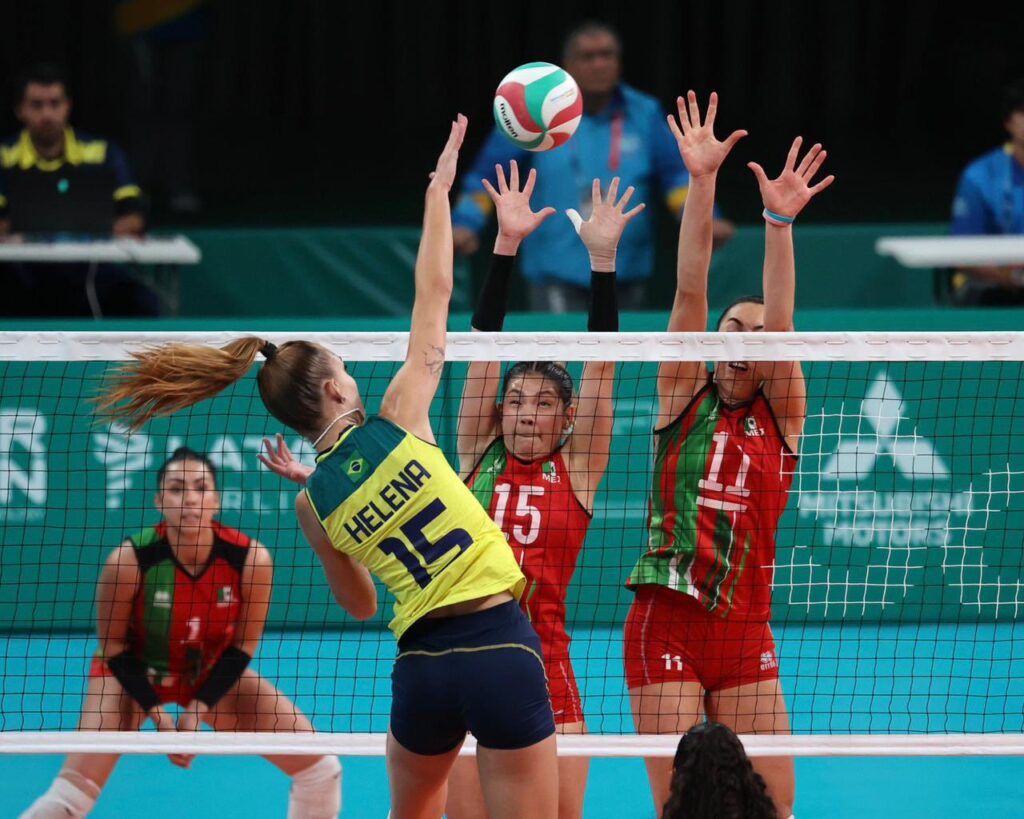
882, 411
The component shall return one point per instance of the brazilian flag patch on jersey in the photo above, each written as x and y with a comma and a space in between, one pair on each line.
356, 467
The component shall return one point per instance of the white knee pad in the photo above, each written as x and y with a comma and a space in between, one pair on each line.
71, 796
316, 791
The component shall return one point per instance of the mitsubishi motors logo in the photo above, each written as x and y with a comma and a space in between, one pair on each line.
885, 434
883, 515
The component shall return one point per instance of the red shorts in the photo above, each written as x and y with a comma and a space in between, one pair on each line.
670, 637
562, 687
170, 688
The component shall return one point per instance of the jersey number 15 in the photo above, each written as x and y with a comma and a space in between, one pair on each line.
419, 546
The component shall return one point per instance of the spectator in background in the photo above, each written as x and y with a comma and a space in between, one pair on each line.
990, 202
622, 133
712, 778
56, 182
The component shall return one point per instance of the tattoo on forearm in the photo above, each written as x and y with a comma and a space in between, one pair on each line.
434, 359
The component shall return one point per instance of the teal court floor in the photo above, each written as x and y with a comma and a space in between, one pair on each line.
940, 678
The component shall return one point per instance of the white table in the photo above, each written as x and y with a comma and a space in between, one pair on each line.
162, 256
953, 251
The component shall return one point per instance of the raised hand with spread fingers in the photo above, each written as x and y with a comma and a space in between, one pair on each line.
791, 190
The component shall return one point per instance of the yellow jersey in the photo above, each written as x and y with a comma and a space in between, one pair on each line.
393, 503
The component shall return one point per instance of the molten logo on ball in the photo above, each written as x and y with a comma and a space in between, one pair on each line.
538, 106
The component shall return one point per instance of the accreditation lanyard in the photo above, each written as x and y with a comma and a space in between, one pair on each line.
584, 185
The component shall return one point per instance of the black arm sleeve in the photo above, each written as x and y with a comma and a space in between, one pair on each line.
604, 304
493, 300
130, 671
224, 674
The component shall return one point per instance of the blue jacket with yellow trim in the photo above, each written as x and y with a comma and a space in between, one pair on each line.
648, 158
990, 196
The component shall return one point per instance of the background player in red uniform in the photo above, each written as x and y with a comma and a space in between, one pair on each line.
535, 457
180, 609
697, 639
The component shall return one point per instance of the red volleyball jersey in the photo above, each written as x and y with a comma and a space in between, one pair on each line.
721, 479
535, 506
182, 623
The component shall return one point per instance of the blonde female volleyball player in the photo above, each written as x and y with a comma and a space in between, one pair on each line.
383, 499
535, 457
180, 609
697, 640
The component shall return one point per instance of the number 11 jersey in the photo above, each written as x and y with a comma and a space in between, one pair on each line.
721, 479
394, 504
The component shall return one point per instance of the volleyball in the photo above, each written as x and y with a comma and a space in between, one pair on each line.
538, 106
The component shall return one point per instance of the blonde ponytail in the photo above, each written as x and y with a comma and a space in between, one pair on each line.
163, 380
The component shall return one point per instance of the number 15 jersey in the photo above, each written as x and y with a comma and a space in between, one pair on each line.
394, 504
537, 509
721, 479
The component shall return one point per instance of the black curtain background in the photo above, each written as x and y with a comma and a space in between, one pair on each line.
327, 112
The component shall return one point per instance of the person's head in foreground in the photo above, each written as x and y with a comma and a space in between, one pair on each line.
712, 778
536, 408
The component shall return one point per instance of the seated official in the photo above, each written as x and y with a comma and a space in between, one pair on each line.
990, 202
56, 183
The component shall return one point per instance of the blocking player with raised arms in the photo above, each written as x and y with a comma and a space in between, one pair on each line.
383, 499
697, 639
180, 609
534, 455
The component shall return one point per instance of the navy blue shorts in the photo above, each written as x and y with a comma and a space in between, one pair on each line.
482, 673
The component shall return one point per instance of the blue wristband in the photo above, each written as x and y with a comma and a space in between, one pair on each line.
777, 218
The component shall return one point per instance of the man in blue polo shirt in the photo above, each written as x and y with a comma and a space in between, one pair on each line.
622, 133
990, 202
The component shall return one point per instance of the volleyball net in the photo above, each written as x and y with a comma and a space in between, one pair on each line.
897, 579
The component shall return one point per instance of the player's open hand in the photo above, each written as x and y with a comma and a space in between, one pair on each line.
281, 462
443, 176
516, 219
788, 193
608, 219
701, 151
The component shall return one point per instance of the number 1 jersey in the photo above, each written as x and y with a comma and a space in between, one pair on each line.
394, 504
721, 479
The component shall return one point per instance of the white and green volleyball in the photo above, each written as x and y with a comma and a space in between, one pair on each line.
538, 106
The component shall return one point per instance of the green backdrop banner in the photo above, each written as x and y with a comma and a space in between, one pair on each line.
908, 503
368, 271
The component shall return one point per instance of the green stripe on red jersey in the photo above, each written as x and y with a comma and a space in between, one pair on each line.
147, 537
680, 453
158, 614
722, 477
488, 471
